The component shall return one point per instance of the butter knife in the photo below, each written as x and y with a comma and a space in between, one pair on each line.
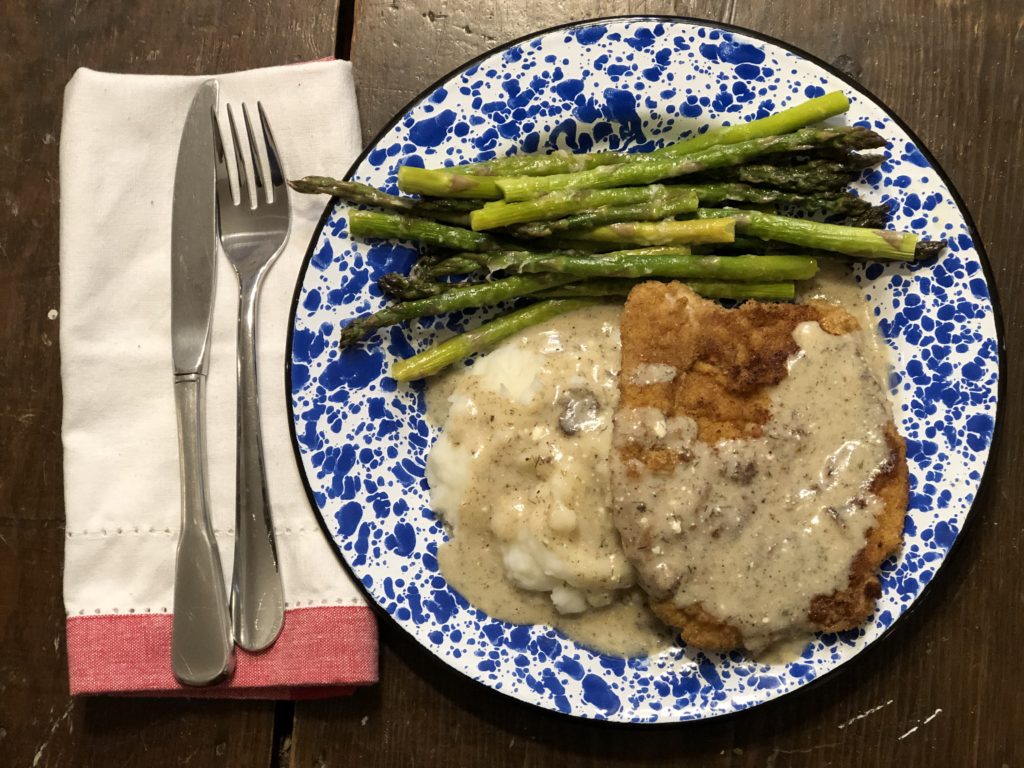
202, 651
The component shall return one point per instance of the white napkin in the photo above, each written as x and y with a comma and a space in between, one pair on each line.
118, 151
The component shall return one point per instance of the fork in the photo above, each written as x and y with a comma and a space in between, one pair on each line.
252, 234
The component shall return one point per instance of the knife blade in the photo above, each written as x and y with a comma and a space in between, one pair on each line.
194, 236
202, 651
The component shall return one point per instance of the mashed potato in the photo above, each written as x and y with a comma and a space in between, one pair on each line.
520, 473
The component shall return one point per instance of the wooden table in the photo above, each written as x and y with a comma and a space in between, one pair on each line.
946, 690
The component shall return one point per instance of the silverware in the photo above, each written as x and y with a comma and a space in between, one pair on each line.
201, 648
252, 234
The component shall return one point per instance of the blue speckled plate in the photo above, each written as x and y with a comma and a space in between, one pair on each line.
629, 83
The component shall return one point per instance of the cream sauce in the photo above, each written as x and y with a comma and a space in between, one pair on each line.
834, 284
520, 475
754, 529
646, 374
532, 539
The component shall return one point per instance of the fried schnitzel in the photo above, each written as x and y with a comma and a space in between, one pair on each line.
758, 478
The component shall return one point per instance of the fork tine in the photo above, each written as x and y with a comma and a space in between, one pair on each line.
243, 179
224, 196
276, 171
257, 163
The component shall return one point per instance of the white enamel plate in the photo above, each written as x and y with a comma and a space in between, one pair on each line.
629, 83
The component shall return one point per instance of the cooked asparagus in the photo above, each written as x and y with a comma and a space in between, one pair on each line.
709, 289
691, 232
561, 203
657, 262
440, 183
653, 169
662, 208
459, 297
805, 178
449, 210
851, 241
374, 224
556, 224
560, 161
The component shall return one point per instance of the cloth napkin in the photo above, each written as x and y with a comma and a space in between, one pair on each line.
119, 146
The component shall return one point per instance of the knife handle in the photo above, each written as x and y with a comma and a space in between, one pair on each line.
201, 649
257, 593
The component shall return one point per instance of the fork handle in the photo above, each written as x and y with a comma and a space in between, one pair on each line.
201, 649
257, 594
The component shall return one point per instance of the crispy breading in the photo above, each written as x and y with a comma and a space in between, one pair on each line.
728, 360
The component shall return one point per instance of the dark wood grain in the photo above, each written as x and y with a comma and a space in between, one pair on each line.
41, 44
954, 71
951, 68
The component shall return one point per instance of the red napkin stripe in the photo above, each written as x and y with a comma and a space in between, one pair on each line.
321, 652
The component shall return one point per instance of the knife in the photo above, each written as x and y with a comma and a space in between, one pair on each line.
201, 647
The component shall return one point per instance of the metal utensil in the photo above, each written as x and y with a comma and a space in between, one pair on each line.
252, 234
201, 648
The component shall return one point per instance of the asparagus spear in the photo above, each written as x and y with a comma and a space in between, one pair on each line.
743, 244
464, 263
847, 158
459, 297
852, 241
454, 265
410, 287
655, 262
926, 249
494, 261
855, 211
872, 217
786, 121
661, 233
832, 202
609, 286
564, 299
805, 178
442, 183
709, 289
649, 170
451, 211
655, 210
374, 224
440, 356
532, 164
563, 202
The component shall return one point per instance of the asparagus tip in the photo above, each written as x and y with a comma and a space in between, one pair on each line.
409, 288
351, 334
301, 185
927, 249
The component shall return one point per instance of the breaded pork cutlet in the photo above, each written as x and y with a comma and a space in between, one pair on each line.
723, 365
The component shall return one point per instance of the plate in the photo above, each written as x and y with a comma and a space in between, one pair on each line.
629, 84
